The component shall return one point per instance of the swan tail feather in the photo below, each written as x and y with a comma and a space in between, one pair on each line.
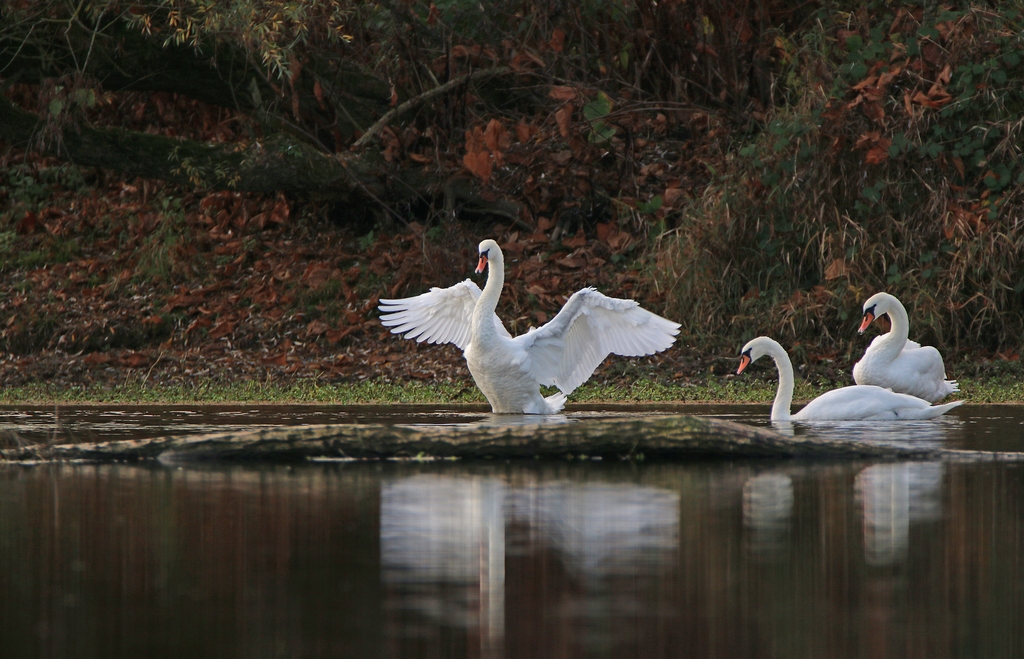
939, 410
555, 402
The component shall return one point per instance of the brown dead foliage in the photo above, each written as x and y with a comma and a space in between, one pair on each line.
229, 286
238, 286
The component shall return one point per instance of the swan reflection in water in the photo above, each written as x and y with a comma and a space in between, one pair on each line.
600, 529
442, 546
892, 497
936, 433
767, 513
443, 541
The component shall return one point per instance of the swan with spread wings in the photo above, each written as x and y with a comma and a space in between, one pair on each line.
510, 370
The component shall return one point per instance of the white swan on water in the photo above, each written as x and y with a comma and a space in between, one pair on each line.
510, 371
856, 403
893, 362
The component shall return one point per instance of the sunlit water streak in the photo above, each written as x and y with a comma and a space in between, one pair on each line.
977, 427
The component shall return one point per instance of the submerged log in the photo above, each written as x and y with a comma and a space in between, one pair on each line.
658, 438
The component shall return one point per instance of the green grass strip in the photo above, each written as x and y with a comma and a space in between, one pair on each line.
998, 389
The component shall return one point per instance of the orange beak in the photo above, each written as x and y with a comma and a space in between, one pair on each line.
868, 319
744, 363
482, 264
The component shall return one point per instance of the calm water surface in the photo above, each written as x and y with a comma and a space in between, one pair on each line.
522, 559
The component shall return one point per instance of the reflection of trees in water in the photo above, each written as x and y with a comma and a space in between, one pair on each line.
171, 563
290, 561
892, 497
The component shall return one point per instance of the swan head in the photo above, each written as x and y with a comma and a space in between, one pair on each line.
754, 350
488, 250
877, 305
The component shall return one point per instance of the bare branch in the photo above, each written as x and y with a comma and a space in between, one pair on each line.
476, 76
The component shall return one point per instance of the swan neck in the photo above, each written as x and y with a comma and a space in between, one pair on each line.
488, 301
900, 321
893, 341
784, 394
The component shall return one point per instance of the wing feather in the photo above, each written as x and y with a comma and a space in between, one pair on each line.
441, 315
590, 326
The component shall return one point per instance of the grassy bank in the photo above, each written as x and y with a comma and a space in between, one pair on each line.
725, 390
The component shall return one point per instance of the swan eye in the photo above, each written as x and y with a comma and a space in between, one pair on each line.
870, 310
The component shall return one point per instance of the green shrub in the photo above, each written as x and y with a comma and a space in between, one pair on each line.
897, 167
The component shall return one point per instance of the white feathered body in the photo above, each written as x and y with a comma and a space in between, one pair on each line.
869, 403
916, 370
501, 369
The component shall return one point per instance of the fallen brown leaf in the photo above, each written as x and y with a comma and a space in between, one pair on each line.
563, 117
316, 328
135, 360
835, 269
277, 360
562, 93
222, 329
96, 358
579, 240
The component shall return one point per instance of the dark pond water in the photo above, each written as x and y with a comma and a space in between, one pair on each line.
461, 559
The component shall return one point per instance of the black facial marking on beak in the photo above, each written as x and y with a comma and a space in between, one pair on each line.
869, 317
482, 263
745, 361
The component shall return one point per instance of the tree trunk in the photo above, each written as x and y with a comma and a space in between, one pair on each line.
329, 100
278, 164
652, 438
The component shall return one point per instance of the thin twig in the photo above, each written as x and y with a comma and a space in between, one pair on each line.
18, 52
71, 21
426, 96
92, 40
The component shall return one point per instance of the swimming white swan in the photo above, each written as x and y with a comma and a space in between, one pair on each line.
509, 371
856, 403
893, 362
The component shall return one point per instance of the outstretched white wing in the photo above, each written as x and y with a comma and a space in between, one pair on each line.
590, 326
441, 315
